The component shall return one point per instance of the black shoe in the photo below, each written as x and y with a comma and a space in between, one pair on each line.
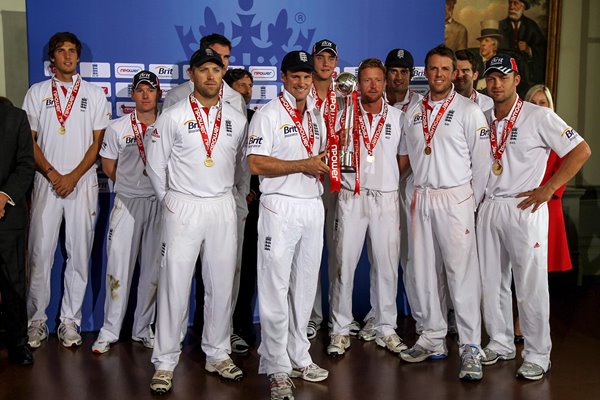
20, 355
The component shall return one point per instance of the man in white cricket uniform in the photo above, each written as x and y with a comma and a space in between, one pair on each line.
67, 117
133, 231
512, 237
445, 138
322, 93
400, 70
368, 205
467, 66
286, 140
222, 46
194, 158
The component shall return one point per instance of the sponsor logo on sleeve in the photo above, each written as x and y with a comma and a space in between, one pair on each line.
569, 133
191, 125
483, 132
254, 141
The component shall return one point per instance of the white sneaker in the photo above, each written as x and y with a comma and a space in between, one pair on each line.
338, 345
367, 333
354, 328
37, 332
226, 369
238, 345
281, 386
101, 345
162, 382
312, 373
391, 342
68, 333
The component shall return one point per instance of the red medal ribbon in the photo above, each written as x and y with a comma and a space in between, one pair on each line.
62, 117
208, 145
307, 141
498, 151
425, 120
138, 138
370, 144
410, 96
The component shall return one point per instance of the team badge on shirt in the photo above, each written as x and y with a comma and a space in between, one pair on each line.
84, 103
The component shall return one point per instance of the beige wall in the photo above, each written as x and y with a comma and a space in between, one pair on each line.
13, 50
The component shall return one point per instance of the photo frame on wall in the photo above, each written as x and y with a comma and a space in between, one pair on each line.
527, 29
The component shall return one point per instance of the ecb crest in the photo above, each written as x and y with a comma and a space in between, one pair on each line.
256, 48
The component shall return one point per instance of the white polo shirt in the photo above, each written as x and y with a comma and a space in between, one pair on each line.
176, 146
460, 147
411, 97
382, 174
120, 144
89, 113
272, 133
536, 131
483, 101
183, 90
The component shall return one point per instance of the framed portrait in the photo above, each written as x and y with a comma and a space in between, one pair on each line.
527, 29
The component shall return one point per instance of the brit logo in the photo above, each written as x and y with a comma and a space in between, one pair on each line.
254, 141
416, 118
484, 132
192, 126
267, 41
569, 133
165, 71
289, 130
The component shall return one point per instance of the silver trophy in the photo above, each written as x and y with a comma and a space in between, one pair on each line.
345, 85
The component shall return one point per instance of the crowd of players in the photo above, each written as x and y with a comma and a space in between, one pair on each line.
446, 186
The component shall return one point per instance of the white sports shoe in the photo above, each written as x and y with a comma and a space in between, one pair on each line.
311, 373
391, 342
101, 345
68, 333
37, 332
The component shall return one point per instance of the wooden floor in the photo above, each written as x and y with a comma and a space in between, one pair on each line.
365, 373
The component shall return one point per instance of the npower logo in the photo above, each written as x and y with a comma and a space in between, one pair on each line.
127, 70
264, 73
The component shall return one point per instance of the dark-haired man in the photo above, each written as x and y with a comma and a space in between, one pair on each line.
286, 140
467, 67
445, 138
67, 117
195, 157
512, 223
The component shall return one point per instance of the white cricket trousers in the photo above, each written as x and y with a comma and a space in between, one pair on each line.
79, 210
443, 240
133, 231
290, 244
193, 226
514, 240
373, 215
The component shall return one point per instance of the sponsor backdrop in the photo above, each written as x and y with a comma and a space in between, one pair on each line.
121, 38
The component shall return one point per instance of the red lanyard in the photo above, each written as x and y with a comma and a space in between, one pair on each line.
209, 145
62, 117
138, 137
425, 120
497, 151
307, 140
370, 144
410, 96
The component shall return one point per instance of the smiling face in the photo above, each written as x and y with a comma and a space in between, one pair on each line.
440, 73
297, 83
398, 79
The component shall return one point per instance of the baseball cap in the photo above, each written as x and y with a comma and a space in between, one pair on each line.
297, 60
399, 58
324, 45
502, 63
146, 77
203, 56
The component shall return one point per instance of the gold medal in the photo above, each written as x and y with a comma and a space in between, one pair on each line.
209, 162
62, 130
497, 168
427, 150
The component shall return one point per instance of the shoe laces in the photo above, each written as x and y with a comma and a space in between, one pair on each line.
67, 327
38, 328
281, 381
